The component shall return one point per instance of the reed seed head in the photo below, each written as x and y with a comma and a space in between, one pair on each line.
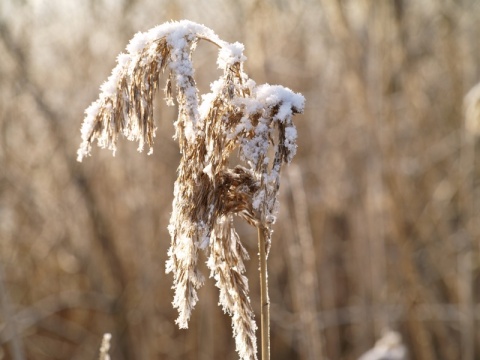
236, 115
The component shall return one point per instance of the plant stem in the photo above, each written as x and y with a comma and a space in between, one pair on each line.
265, 310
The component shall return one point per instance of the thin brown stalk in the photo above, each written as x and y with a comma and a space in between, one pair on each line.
301, 252
466, 253
15, 344
264, 299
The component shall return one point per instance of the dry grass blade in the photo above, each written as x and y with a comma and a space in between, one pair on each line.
236, 114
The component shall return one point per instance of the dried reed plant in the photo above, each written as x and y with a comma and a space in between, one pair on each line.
236, 115
471, 105
105, 347
466, 280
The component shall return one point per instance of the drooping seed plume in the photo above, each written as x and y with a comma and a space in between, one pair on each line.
237, 116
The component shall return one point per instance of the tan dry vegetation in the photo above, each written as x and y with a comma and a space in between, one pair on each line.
378, 222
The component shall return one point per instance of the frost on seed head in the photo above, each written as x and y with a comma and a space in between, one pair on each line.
236, 115
231, 54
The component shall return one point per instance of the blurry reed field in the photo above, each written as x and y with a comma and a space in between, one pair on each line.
377, 226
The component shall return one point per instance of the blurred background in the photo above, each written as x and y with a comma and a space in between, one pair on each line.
378, 225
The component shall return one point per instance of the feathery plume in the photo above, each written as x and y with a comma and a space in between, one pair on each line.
236, 115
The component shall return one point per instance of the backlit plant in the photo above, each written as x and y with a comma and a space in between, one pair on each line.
237, 116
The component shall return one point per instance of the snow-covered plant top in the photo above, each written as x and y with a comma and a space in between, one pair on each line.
236, 115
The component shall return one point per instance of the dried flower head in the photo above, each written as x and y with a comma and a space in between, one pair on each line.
236, 115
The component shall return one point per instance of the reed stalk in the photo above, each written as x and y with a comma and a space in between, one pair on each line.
264, 299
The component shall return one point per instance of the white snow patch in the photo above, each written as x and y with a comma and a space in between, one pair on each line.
208, 170
230, 54
272, 95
